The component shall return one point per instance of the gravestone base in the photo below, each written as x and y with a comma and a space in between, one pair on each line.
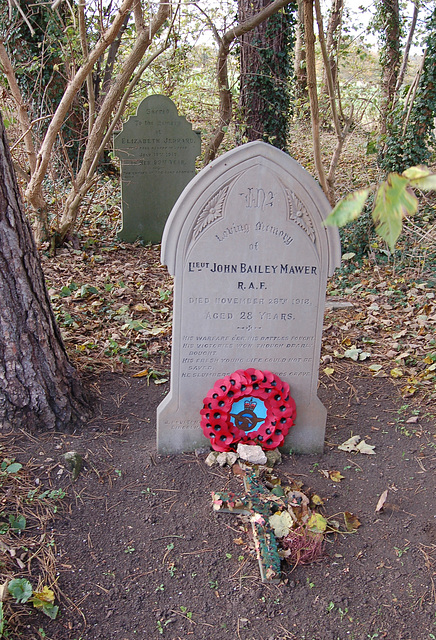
177, 434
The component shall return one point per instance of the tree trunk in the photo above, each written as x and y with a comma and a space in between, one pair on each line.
265, 71
390, 58
39, 388
225, 107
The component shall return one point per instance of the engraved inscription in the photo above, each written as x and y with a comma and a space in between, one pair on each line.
258, 198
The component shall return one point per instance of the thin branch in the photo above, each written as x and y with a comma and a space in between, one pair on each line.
411, 94
23, 118
406, 53
226, 103
44, 155
85, 51
328, 70
313, 96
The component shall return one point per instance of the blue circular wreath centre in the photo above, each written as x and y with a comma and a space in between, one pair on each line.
248, 414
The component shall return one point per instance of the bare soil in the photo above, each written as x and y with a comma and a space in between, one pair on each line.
141, 554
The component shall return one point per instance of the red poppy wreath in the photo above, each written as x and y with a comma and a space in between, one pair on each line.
248, 406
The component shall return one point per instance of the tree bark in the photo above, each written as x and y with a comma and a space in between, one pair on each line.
390, 59
39, 388
264, 98
225, 106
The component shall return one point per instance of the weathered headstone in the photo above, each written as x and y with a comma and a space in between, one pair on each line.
157, 149
250, 256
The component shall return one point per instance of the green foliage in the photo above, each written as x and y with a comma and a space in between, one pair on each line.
20, 589
10, 466
37, 53
17, 523
410, 138
393, 201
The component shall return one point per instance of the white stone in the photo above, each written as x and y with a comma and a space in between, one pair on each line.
251, 453
226, 457
211, 458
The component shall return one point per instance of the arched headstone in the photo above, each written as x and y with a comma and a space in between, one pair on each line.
250, 255
157, 149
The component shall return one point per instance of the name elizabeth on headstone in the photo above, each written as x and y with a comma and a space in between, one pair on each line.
250, 256
157, 149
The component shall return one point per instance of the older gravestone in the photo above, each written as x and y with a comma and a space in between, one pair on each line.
250, 256
157, 149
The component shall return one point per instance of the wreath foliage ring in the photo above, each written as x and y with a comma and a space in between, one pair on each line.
250, 383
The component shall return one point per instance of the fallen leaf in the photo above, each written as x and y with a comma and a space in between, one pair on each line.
316, 500
396, 373
4, 591
375, 367
46, 595
353, 353
336, 476
317, 523
329, 371
281, 522
364, 447
352, 523
381, 501
350, 444
141, 374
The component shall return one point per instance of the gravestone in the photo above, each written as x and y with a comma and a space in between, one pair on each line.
250, 256
157, 149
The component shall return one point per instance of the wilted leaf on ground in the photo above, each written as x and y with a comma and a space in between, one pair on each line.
381, 501
364, 447
353, 444
352, 523
350, 444
14, 467
317, 523
281, 523
316, 500
364, 355
353, 353
375, 367
20, 589
396, 373
336, 476
141, 374
46, 595
329, 371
